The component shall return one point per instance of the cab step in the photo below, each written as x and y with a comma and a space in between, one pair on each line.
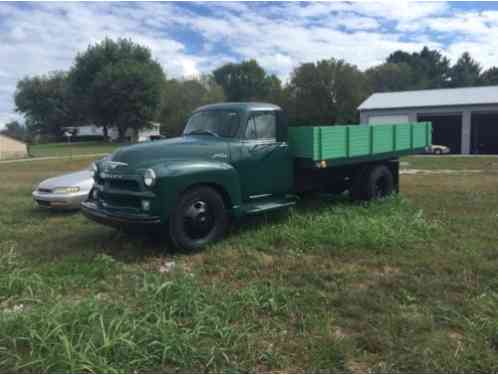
268, 204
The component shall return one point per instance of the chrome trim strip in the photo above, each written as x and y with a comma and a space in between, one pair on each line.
259, 196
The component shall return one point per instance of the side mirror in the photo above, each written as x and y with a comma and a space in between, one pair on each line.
282, 126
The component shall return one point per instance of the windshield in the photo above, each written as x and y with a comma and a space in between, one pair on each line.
216, 122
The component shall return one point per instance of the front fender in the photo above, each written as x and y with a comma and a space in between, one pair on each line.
176, 177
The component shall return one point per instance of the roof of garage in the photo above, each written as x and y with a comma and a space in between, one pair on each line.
432, 98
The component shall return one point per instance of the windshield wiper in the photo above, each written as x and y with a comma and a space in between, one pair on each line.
201, 132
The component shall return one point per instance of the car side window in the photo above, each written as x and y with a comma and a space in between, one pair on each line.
262, 125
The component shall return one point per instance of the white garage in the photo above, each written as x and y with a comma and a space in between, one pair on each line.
395, 119
463, 119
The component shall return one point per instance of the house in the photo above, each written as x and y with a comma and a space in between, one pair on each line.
90, 131
11, 148
465, 119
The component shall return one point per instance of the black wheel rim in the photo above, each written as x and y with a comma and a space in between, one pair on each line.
380, 187
198, 220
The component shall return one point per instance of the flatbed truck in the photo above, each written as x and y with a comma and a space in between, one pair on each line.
239, 159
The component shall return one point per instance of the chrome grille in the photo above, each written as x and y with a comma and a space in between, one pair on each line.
129, 185
121, 200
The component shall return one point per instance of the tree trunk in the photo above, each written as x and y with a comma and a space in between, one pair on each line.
121, 133
106, 132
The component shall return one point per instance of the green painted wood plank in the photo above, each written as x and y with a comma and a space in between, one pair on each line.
354, 141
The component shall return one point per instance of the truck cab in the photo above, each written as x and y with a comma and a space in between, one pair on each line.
232, 159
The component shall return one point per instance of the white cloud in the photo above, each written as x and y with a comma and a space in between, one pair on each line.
188, 39
280, 43
189, 68
353, 22
46, 36
473, 32
401, 11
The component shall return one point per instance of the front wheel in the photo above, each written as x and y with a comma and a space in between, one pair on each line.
198, 219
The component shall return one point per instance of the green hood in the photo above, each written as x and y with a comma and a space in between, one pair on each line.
182, 148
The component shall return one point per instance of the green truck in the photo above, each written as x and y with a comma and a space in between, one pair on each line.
238, 159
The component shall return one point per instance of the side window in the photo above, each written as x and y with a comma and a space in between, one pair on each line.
251, 129
262, 125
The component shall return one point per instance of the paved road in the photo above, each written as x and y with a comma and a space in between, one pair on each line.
80, 156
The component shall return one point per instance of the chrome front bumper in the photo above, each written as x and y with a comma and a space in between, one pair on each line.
60, 201
116, 219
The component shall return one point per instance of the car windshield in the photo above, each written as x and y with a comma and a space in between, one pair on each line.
219, 123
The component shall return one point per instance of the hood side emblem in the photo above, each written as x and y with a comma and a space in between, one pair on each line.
219, 156
114, 164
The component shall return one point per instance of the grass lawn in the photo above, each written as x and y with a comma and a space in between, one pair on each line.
409, 284
452, 162
69, 149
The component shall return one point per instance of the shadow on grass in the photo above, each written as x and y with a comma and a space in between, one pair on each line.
147, 244
88, 239
310, 203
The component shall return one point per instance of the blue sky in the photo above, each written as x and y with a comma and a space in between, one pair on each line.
192, 38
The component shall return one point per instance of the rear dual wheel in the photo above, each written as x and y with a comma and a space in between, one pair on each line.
374, 182
199, 218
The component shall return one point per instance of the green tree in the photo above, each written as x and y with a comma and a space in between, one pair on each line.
46, 103
275, 90
181, 97
246, 81
213, 92
390, 77
489, 76
430, 68
325, 92
118, 84
15, 130
466, 72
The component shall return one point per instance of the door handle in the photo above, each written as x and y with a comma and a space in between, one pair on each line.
269, 148
262, 146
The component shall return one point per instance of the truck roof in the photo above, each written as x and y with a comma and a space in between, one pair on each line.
240, 106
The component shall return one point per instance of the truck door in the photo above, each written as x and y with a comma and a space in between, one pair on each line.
264, 164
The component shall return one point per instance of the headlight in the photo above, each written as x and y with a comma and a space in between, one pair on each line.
66, 190
94, 169
149, 178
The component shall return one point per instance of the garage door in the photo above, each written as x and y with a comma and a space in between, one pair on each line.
446, 131
394, 119
484, 133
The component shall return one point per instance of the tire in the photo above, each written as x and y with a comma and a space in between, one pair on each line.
437, 151
199, 218
375, 182
379, 184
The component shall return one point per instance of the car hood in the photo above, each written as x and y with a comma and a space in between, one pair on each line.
82, 179
181, 148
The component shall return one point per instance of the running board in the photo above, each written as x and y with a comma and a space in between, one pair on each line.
263, 205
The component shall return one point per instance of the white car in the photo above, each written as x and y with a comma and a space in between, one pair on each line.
64, 192
439, 150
